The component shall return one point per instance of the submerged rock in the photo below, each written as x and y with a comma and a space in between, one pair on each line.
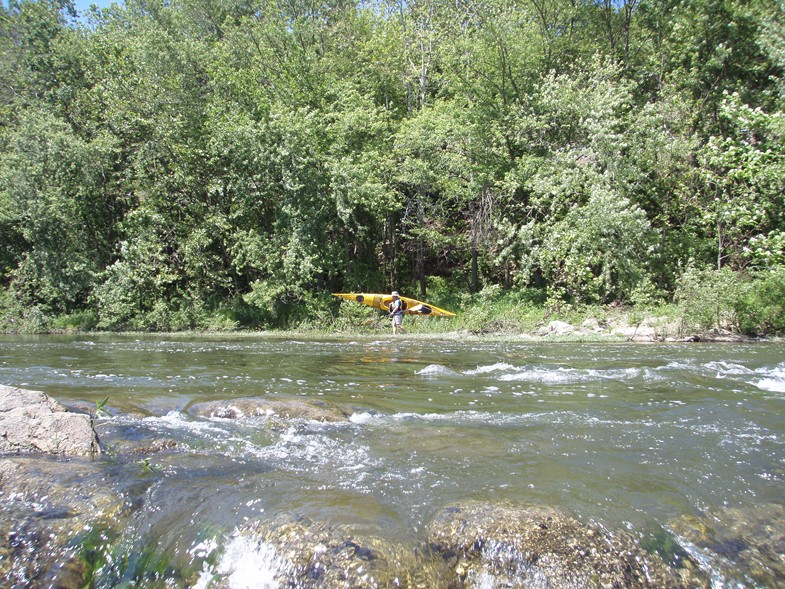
286, 408
31, 421
291, 551
541, 547
51, 511
143, 447
742, 541
468, 545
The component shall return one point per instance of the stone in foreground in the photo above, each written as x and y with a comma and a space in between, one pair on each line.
298, 552
31, 421
540, 546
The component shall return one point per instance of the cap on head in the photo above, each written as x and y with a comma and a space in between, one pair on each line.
395, 294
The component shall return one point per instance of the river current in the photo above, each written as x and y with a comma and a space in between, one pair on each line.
631, 436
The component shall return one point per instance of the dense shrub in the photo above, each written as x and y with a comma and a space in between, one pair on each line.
710, 299
762, 310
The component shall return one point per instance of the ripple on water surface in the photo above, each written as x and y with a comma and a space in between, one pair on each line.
628, 435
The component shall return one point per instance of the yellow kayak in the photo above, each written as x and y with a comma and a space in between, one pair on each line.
382, 301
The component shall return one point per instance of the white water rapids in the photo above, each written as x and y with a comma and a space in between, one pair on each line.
632, 437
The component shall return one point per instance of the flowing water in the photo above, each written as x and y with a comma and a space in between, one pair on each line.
630, 436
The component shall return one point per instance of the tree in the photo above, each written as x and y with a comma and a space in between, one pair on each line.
54, 197
744, 174
599, 252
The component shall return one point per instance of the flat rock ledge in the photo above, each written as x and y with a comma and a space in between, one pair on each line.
283, 408
32, 421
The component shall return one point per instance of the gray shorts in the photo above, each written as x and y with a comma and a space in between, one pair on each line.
397, 319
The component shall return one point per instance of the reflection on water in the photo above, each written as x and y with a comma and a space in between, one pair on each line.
631, 436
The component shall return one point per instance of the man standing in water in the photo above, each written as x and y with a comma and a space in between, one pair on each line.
396, 312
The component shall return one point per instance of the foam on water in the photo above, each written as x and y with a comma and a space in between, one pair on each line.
556, 375
775, 385
436, 370
320, 453
553, 376
727, 368
362, 418
773, 381
246, 563
499, 366
173, 421
765, 378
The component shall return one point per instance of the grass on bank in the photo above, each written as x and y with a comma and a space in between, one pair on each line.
705, 302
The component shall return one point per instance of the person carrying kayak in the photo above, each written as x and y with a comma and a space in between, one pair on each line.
396, 312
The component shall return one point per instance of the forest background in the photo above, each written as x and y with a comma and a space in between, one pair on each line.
227, 164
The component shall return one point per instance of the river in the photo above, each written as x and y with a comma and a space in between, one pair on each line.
631, 436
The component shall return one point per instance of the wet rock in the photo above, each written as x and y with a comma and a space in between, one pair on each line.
538, 547
745, 544
298, 552
286, 408
31, 421
143, 447
49, 511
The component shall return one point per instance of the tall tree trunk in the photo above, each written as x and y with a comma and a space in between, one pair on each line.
420, 263
475, 277
391, 248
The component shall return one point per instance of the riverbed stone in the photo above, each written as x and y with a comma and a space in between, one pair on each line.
295, 551
745, 543
525, 547
32, 421
278, 407
51, 510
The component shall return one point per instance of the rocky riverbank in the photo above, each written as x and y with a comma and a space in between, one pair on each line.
64, 504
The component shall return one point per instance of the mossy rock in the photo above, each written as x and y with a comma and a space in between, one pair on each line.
540, 546
744, 543
298, 552
47, 507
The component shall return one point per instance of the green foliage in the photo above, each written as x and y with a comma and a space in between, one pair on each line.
84, 320
599, 252
50, 185
92, 547
224, 166
744, 172
100, 407
762, 311
353, 317
710, 299
495, 310
726, 300
147, 466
